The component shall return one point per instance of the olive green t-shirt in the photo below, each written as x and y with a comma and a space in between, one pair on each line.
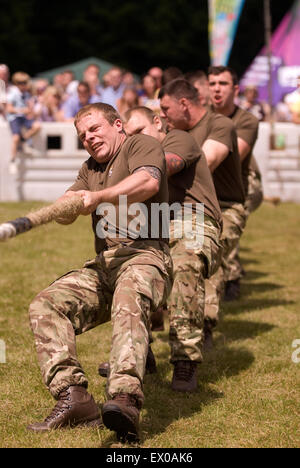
246, 126
135, 152
227, 176
194, 184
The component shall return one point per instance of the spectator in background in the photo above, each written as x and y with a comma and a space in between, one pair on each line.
250, 103
199, 80
51, 106
20, 115
114, 91
91, 76
78, 100
129, 80
129, 100
170, 74
4, 83
149, 96
293, 102
69, 84
157, 74
39, 86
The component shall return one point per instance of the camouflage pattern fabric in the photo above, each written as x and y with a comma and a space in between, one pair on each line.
234, 220
253, 201
123, 284
186, 303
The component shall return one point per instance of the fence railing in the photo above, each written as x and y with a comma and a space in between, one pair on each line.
47, 175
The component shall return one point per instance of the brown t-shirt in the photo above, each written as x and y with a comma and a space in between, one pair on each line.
227, 176
136, 151
194, 184
246, 126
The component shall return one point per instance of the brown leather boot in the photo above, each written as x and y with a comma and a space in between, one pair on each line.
184, 376
151, 368
75, 407
121, 414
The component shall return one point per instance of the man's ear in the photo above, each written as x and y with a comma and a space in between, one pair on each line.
119, 125
236, 90
157, 122
184, 103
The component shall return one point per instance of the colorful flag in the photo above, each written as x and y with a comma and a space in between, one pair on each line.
224, 16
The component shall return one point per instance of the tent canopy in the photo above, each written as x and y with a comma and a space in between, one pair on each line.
77, 68
285, 60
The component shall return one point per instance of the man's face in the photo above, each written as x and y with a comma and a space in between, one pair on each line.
222, 91
116, 78
140, 124
83, 95
174, 112
100, 139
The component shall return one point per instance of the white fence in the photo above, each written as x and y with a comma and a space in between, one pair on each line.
47, 176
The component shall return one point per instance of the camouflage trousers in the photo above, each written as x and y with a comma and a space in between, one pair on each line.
123, 284
234, 220
193, 262
253, 201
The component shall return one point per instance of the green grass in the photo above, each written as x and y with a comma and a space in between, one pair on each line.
248, 385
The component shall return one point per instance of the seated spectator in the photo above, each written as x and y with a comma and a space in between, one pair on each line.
69, 84
20, 115
91, 76
51, 106
78, 100
157, 74
199, 80
282, 112
114, 91
149, 96
170, 74
250, 103
293, 102
4, 85
129, 100
39, 86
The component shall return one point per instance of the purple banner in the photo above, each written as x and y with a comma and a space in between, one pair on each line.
285, 46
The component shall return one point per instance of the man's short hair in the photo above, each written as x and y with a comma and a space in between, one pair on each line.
180, 89
20, 77
148, 113
195, 76
108, 112
170, 74
217, 70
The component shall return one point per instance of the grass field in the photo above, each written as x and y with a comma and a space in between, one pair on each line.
248, 385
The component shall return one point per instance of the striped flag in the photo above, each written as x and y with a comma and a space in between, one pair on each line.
224, 16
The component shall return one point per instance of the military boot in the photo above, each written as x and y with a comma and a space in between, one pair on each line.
75, 406
232, 290
151, 368
184, 376
121, 414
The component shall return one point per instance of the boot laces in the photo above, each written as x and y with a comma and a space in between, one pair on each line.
60, 406
184, 370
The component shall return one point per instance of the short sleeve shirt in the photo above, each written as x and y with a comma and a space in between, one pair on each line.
194, 184
246, 126
135, 152
227, 176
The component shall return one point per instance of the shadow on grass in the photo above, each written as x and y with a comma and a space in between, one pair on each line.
233, 330
164, 406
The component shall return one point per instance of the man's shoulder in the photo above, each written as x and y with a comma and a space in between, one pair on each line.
243, 117
137, 140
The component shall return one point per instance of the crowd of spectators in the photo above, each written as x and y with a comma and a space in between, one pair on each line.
25, 102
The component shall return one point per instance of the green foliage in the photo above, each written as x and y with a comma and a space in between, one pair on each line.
36, 36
